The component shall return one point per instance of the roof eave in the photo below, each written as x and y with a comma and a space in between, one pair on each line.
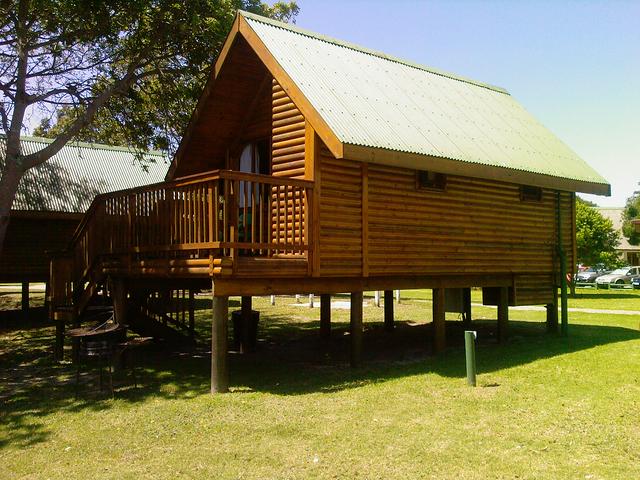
468, 169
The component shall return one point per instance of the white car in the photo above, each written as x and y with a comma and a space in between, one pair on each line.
621, 276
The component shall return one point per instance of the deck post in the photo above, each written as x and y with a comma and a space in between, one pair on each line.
25, 299
311, 300
466, 306
552, 313
325, 316
503, 314
356, 328
398, 296
246, 314
119, 298
389, 322
439, 324
376, 298
192, 320
219, 333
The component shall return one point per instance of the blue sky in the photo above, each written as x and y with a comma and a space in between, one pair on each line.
575, 65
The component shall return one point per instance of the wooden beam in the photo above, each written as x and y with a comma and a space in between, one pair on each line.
439, 324
503, 314
389, 321
469, 169
231, 286
355, 328
325, 316
219, 334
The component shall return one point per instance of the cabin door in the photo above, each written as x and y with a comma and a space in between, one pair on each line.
252, 203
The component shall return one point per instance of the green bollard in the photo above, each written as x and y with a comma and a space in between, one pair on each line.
470, 354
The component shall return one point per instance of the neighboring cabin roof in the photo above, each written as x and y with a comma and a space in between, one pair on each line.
381, 109
615, 215
70, 180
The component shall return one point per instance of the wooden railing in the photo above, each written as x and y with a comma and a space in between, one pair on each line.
218, 214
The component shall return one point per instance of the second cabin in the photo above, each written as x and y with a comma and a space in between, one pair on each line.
314, 166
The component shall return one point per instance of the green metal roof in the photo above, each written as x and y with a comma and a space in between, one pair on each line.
373, 100
69, 181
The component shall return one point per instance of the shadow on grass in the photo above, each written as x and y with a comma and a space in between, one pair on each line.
607, 296
291, 360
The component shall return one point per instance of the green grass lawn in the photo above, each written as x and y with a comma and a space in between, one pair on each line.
546, 406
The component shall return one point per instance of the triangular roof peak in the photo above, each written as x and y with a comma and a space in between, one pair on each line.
369, 106
366, 51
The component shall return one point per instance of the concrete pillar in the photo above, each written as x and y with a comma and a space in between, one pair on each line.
219, 347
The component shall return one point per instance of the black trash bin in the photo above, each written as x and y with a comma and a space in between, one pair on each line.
245, 334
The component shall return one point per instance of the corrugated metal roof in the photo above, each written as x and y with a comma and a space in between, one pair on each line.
70, 180
374, 100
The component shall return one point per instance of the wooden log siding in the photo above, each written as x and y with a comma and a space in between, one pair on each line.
287, 160
474, 226
341, 217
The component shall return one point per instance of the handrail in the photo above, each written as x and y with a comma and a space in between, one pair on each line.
216, 214
184, 181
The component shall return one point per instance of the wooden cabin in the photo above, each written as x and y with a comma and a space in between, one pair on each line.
314, 166
52, 198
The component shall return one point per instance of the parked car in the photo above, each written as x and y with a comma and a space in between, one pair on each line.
636, 282
590, 274
621, 276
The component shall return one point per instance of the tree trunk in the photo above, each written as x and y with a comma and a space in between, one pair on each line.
11, 175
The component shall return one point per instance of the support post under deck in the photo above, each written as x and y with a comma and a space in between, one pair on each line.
325, 316
389, 322
356, 328
25, 299
503, 314
219, 338
119, 297
439, 324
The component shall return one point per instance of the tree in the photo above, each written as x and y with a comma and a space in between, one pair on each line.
130, 66
631, 212
596, 239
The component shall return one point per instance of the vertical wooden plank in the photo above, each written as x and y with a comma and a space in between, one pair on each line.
503, 314
365, 219
253, 214
389, 321
211, 213
325, 316
439, 324
219, 339
314, 237
356, 328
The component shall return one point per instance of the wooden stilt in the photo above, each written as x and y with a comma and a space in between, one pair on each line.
552, 313
325, 316
25, 299
503, 314
439, 325
58, 351
389, 321
466, 302
376, 298
192, 321
119, 298
246, 310
356, 328
219, 333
